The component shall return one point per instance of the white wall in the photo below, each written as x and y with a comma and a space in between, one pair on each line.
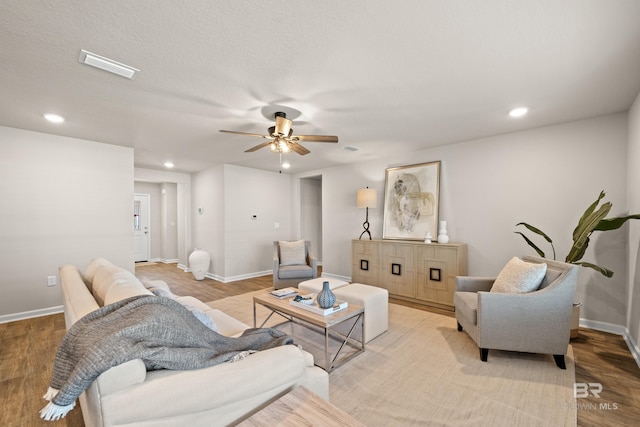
169, 221
633, 195
64, 201
248, 242
545, 176
208, 226
229, 196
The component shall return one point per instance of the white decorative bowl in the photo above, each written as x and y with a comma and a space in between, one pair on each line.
311, 299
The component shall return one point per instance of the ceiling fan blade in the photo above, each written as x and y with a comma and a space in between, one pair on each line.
245, 133
283, 126
257, 147
298, 148
316, 138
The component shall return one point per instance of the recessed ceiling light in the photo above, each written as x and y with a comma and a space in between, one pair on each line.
168, 165
54, 118
286, 165
518, 112
107, 64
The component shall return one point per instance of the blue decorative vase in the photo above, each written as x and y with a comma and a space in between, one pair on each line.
325, 297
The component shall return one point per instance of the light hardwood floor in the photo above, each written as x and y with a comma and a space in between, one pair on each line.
28, 348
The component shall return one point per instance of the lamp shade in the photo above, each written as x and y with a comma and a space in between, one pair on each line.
367, 198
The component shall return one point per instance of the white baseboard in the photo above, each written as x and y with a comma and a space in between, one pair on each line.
230, 278
633, 347
31, 314
164, 261
239, 277
617, 330
602, 326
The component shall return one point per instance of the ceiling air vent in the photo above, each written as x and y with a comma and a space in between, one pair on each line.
107, 64
350, 148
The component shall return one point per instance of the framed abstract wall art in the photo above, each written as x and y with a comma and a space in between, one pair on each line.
411, 198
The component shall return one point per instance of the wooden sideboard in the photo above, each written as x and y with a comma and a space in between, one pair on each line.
420, 272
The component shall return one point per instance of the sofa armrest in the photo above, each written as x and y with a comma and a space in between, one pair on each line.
276, 260
256, 380
474, 284
121, 376
313, 262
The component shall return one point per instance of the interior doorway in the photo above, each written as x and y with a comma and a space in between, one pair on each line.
141, 231
163, 220
311, 213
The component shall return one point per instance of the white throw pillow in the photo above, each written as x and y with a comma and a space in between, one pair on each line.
200, 315
519, 277
292, 253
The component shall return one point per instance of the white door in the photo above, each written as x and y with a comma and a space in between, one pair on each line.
141, 227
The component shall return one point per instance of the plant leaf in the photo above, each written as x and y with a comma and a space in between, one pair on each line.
540, 233
533, 245
587, 212
577, 252
604, 271
584, 229
608, 224
535, 230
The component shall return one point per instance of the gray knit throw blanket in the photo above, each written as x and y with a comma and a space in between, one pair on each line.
160, 331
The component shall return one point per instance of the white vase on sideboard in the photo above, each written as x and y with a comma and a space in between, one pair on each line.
442, 234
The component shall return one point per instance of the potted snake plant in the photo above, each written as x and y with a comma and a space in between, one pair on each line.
593, 219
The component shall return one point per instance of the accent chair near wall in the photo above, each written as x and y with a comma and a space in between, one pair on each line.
533, 321
293, 263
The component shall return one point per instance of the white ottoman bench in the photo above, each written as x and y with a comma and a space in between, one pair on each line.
374, 300
314, 286
376, 308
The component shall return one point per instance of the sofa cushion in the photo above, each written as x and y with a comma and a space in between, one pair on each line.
123, 288
109, 276
227, 325
92, 267
295, 272
161, 292
149, 284
519, 277
292, 253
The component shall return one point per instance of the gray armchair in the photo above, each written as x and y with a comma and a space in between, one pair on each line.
534, 322
286, 274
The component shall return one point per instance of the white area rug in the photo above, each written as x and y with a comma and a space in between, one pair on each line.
424, 372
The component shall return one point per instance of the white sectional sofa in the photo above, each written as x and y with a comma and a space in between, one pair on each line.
220, 395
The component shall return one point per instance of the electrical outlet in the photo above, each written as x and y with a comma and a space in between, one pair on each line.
51, 280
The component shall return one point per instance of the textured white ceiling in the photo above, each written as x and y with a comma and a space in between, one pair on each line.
383, 76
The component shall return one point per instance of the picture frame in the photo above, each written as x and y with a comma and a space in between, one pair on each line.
411, 201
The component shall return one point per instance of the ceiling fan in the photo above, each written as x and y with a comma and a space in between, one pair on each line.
281, 139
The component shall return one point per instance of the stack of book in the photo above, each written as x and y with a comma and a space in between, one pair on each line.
284, 292
315, 308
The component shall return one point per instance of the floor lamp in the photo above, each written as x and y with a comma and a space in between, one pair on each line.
367, 198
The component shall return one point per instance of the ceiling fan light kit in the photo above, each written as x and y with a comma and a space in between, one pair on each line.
281, 138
